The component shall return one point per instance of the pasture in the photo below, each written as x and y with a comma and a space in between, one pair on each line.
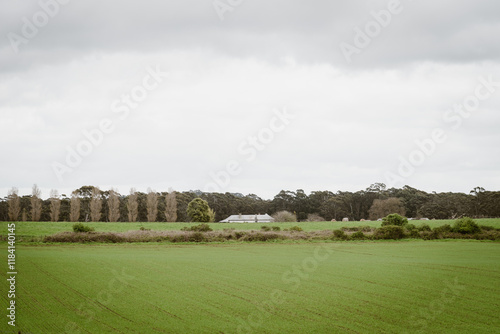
356, 287
40, 229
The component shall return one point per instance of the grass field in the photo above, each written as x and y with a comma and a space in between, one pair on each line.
354, 287
37, 229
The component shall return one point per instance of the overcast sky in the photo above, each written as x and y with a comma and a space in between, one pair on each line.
249, 96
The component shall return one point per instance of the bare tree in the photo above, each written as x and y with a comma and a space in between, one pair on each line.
55, 205
171, 207
95, 205
14, 204
24, 216
132, 206
36, 203
74, 213
114, 206
152, 205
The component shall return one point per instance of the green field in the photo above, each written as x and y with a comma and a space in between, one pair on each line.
356, 287
38, 229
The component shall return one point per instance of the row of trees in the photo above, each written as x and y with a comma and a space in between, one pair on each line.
89, 203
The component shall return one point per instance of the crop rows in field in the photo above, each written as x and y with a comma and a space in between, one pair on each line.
323, 288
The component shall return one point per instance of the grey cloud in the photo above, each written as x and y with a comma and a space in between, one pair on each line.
447, 31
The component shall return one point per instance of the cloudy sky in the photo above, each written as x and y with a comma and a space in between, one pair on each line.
249, 96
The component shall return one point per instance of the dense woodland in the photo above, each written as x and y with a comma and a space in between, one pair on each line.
92, 204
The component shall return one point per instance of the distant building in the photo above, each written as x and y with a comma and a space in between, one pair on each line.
248, 219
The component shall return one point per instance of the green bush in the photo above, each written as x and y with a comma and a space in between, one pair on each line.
276, 228
358, 235
414, 234
198, 228
79, 227
394, 219
428, 235
389, 232
239, 235
199, 211
442, 229
424, 227
410, 227
466, 225
201, 228
339, 234
486, 228
356, 229
296, 228
265, 228
365, 229
197, 237
301, 216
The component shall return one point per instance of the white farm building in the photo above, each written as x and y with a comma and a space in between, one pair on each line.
248, 219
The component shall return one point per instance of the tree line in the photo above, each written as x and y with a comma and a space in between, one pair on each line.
90, 203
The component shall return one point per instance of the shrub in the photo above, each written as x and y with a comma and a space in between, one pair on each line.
260, 236
85, 237
389, 232
358, 235
356, 229
414, 234
410, 227
296, 228
301, 216
339, 234
486, 228
265, 228
424, 227
284, 217
239, 235
142, 228
486, 236
198, 228
442, 229
276, 228
365, 229
79, 227
314, 217
428, 235
201, 228
196, 237
466, 225
394, 219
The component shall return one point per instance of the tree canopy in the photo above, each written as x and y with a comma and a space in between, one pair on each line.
90, 203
